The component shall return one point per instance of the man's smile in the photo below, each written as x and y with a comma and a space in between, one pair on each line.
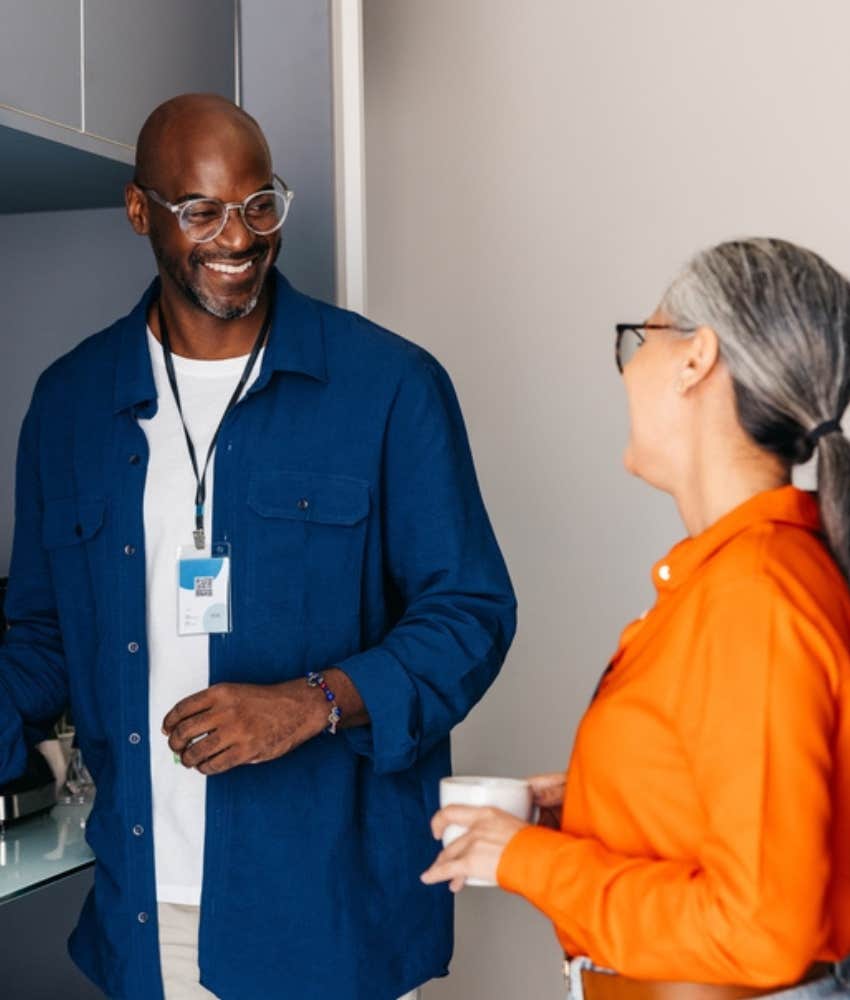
223, 268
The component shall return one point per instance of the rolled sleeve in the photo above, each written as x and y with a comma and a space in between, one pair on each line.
459, 609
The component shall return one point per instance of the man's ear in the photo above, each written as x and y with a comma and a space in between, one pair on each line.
137, 208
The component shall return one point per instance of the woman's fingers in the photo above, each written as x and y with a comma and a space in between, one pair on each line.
456, 816
445, 871
476, 852
548, 789
457, 848
550, 818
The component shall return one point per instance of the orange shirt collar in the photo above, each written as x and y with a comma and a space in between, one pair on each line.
787, 505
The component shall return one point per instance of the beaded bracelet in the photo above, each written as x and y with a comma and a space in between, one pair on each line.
335, 715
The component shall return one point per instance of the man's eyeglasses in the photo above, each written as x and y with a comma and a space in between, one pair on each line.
630, 338
203, 219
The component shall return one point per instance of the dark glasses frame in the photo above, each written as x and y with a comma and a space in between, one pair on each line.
636, 328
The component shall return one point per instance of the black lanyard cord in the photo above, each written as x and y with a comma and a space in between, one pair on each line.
201, 476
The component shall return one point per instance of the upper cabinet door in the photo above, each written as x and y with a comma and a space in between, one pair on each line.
139, 54
40, 44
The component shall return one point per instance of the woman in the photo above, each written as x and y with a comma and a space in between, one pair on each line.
705, 829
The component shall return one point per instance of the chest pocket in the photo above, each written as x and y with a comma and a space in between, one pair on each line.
71, 521
307, 546
72, 533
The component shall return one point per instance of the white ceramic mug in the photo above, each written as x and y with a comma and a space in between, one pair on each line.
513, 795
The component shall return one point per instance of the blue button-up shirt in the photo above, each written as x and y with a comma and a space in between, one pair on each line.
390, 570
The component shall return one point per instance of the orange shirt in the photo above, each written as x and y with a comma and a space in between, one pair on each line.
706, 822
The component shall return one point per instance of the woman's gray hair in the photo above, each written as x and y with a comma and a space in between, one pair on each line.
782, 317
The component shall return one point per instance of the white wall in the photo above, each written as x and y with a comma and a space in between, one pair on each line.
536, 172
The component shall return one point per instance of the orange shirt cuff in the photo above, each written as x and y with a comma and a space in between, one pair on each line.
527, 860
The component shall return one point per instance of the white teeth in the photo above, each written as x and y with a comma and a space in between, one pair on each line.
229, 268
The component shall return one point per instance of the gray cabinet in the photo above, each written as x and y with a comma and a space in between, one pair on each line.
78, 78
40, 44
139, 54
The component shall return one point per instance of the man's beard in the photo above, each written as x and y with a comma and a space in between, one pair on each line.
201, 299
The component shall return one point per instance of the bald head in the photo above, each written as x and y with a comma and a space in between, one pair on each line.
191, 128
191, 148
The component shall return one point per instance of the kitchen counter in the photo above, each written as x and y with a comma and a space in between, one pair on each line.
46, 871
41, 849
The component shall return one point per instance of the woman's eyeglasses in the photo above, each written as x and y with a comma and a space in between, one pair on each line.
630, 337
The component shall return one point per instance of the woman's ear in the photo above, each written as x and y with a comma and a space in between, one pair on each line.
701, 355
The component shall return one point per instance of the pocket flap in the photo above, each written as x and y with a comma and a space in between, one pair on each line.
299, 496
70, 521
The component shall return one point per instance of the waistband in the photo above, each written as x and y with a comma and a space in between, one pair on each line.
587, 982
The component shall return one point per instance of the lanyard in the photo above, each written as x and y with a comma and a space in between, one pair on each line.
199, 534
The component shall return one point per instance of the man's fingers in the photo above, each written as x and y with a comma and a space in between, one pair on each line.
203, 748
189, 729
200, 702
224, 761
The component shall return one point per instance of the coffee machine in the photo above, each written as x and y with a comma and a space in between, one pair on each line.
35, 789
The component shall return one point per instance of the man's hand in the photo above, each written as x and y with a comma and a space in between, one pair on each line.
232, 724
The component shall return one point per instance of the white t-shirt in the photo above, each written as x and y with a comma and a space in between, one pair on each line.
179, 665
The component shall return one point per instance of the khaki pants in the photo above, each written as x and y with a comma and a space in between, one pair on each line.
178, 951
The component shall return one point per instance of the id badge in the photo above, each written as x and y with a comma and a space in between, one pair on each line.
203, 590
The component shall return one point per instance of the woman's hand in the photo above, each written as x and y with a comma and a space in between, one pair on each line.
548, 792
475, 854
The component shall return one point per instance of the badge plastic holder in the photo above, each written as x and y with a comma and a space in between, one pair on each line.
203, 590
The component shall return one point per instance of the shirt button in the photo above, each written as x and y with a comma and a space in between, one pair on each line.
129, 550
138, 830
134, 738
133, 647
142, 918
664, 572
135, 459
303, 503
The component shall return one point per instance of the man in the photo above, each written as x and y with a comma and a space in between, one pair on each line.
250, 547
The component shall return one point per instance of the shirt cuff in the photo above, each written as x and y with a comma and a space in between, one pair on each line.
527, 861
391, 699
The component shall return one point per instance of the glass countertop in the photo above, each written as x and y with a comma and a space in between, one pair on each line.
43, 848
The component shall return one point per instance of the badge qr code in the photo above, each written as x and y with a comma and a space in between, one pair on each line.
203, 591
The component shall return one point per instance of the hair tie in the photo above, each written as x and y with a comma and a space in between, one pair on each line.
827, 427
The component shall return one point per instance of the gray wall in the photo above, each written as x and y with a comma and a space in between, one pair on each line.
536, 173
286, 86
64, 276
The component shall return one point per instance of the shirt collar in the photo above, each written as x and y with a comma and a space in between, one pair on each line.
295, 344
785, 505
